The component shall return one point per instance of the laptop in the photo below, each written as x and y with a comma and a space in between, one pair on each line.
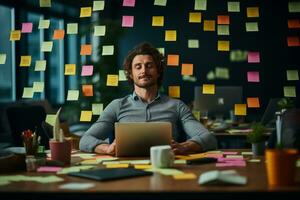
135, 138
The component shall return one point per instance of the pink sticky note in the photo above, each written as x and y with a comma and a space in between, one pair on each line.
87, 70
214, 155
253, 76
129, 3
26, 27
48, 169
229, 159
230, 153
127, 21
253, 57
231, 164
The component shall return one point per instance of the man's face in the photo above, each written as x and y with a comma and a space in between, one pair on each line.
144, 71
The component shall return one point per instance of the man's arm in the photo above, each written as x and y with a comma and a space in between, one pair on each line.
186, 147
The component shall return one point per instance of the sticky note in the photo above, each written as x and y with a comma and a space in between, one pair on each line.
99, 30
223, 45
138, 166
187, 69
161, 50
233, 6
253, 76
289, 91
185, 176
194, 17
127, 21
15, 35
2, 59
25, 61
72, 95
97, 108
86, 49
294, 7
112, 80
200, 5
196, 114
87, 90
87, 70
27, 93
58, 34
293, 41
173, 60
72, 28
193, 43
50, 119
160, 2
208, 89
47, 46
26, 27
45, 3
294, 23
251, 27
129, 3
124, 165
174, 91
107, 50
170, 35
292, 75
240, 109
253, 57
122, 76
85, 116
252, 12
209, 25
44, 23
222, 73
40, 65
253, 102
38, 86
70, 69
85, 11
223, 30
98, 5
223, 19
157, 20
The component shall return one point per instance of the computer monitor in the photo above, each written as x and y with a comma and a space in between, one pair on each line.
268, 118
220, 103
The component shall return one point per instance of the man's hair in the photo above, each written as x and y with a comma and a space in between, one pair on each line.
144, 49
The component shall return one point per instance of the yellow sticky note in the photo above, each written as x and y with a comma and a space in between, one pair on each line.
208, 89
45, 3
174, 91
223, 30
25, 61
185, 176
70, 69
251, 26
122, 76
85, 11
85, 116
209, 25
44, 23
117, 166
73, 95
107, 50
170, 35
173, 60
252, 12
38, 86
97, 108
253, 102
98, 5
112, 80
187, 69
40, 65
223, 45
142, 166
194, 17
27, 93
157, 20
233, 6
193, 43
196, 114
99, 30
47, 46
292, 75
72, 28
289, 91
2, 59
15, 35
89, 162
50, 119
240, 109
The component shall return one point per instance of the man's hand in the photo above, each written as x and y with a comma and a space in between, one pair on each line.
185, 147
109, 149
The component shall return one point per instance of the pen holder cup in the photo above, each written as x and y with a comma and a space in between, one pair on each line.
31, 146
281, 166
61, 151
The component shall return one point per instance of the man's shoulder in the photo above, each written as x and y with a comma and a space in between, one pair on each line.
121, 100
166, 98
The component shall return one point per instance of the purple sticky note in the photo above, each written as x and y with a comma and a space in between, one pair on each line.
48, 169
253, 57
253, 76
127, 21
26, 27
87, 70
129, 3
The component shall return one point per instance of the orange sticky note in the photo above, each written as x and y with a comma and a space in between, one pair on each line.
86, 116
87, 90
194, 17
253, 102
223, 19
174, 91
112, 80
252, 12
173, 60
170, 35
158, 21
187, 69
209, 25
58, 34
223, 45
86, 49
70, 69
25, 61
85, 11
208, 89
293, 41
240, 109
294, 23
15, 35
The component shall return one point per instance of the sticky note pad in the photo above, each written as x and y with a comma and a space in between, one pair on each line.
85, 11
209, 25
87, 70
122, 76
72, 95
223, 45
200, 5
112, 80
252, 12
25, 61
251, 27
2, 59
194, 17
58, 34
223, 30
72, 28
87, 90
253, 76
174, 91
40, 65
157, 20
127, 21
27, 93
187, 69
129, 3
208, 88
289, 91
292, 75
45, 3
170, 35
233, 6
47, 46
253, 57
99, 30
26, 27
97, 108
223, 19
294, 7
293, 41
253, 102
107, 50
70, 69
86, 49
240, 109
160, 2
38, 86
294, 23
85, 116
15, 35
98, 5
173, 60
193, 43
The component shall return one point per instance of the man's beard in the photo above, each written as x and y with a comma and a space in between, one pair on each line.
146, 84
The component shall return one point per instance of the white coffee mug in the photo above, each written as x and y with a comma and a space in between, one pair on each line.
161, 156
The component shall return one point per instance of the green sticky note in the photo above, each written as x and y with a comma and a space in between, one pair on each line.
200, 5
45, 3
27, 93
122, 76
50, 119
40, 65
98, 5
160, 2
193, 43
292, 75
233, 6
298, 163
289, 91
72, 95
44, 23
47, 46
161, 50
99, 30
294, 7
97, 108
38, 86
165, 171
2, 59
223, 29
222, 73
107, 50
251, 27
72, 28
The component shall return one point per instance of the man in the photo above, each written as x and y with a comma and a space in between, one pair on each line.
144, 69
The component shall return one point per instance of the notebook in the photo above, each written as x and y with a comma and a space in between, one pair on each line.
136, 138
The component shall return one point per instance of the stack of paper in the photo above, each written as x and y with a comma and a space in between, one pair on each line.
222, 177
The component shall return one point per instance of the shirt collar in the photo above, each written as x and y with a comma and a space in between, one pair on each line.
136, 97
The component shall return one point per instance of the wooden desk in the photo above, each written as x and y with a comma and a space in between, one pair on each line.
157, 187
